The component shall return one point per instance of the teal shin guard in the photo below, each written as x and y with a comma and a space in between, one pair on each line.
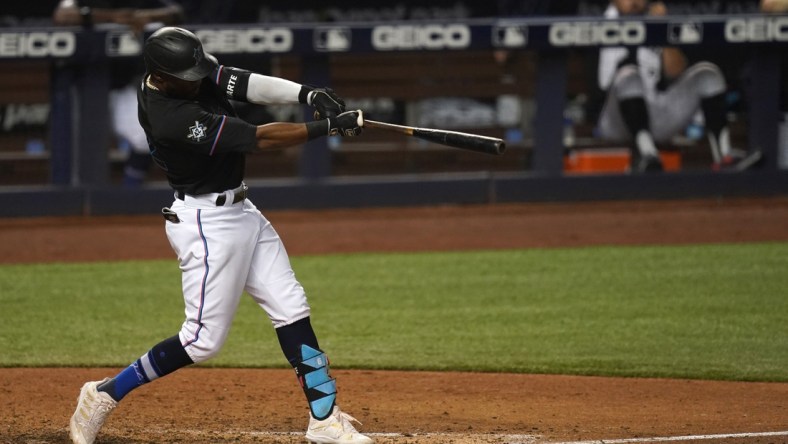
320, 388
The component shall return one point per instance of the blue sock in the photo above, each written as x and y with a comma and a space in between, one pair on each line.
163, 359
126, 381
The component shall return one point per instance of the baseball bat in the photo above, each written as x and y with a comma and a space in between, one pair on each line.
465, 141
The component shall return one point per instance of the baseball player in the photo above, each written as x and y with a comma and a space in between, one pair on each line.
125, 74
652, 95
224, 244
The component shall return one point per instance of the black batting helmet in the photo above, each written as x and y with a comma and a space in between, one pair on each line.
177, 52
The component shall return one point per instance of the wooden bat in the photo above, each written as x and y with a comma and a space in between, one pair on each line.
465, 141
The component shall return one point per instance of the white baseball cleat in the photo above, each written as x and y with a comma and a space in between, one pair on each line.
336, 429
93, 407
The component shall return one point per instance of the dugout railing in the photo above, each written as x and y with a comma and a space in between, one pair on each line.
79, 181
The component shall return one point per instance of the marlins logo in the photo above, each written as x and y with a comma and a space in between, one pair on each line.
197, 56
197, 132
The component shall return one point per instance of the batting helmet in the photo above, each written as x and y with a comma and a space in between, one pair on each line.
179, 53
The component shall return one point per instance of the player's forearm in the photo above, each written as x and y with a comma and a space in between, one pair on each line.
281, 135
285, 134
67, 16
169, 15
72, 15
774, 5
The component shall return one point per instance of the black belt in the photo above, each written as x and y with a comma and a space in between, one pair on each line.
238, 197
221, 199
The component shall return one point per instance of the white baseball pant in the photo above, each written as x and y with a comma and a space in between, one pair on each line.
222, 252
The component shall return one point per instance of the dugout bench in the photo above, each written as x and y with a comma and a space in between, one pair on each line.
80, 163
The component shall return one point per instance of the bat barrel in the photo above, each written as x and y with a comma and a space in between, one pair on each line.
466, 141
472, 142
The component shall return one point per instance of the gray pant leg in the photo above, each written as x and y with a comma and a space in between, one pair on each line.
670, 111
673, 109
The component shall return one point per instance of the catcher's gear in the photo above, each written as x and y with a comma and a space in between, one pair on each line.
326, 103
177, 52
349, 123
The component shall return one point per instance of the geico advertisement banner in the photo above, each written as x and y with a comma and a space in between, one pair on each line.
444, 36
37, 44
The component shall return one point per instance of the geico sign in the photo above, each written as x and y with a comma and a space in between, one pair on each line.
597, 33
386, 38
246, 40
761, 29
37, 44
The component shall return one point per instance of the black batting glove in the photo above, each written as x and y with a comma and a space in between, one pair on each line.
348, 124
326, 103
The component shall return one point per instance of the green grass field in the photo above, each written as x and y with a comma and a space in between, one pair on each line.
710, 312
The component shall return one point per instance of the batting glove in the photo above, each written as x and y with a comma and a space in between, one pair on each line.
349, 123
326, 103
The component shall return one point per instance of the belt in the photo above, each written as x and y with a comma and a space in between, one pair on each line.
239, 194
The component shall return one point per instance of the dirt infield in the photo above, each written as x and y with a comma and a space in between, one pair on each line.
203, 405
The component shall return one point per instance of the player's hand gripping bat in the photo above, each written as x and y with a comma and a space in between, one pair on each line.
465, 141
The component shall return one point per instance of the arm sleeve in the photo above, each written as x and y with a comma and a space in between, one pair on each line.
266, 90
246, 86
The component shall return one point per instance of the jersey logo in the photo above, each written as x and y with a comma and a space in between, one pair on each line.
197, 132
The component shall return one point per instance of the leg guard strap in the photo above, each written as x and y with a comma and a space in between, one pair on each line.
320, 388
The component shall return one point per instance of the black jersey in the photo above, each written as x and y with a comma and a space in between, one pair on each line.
200, 143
